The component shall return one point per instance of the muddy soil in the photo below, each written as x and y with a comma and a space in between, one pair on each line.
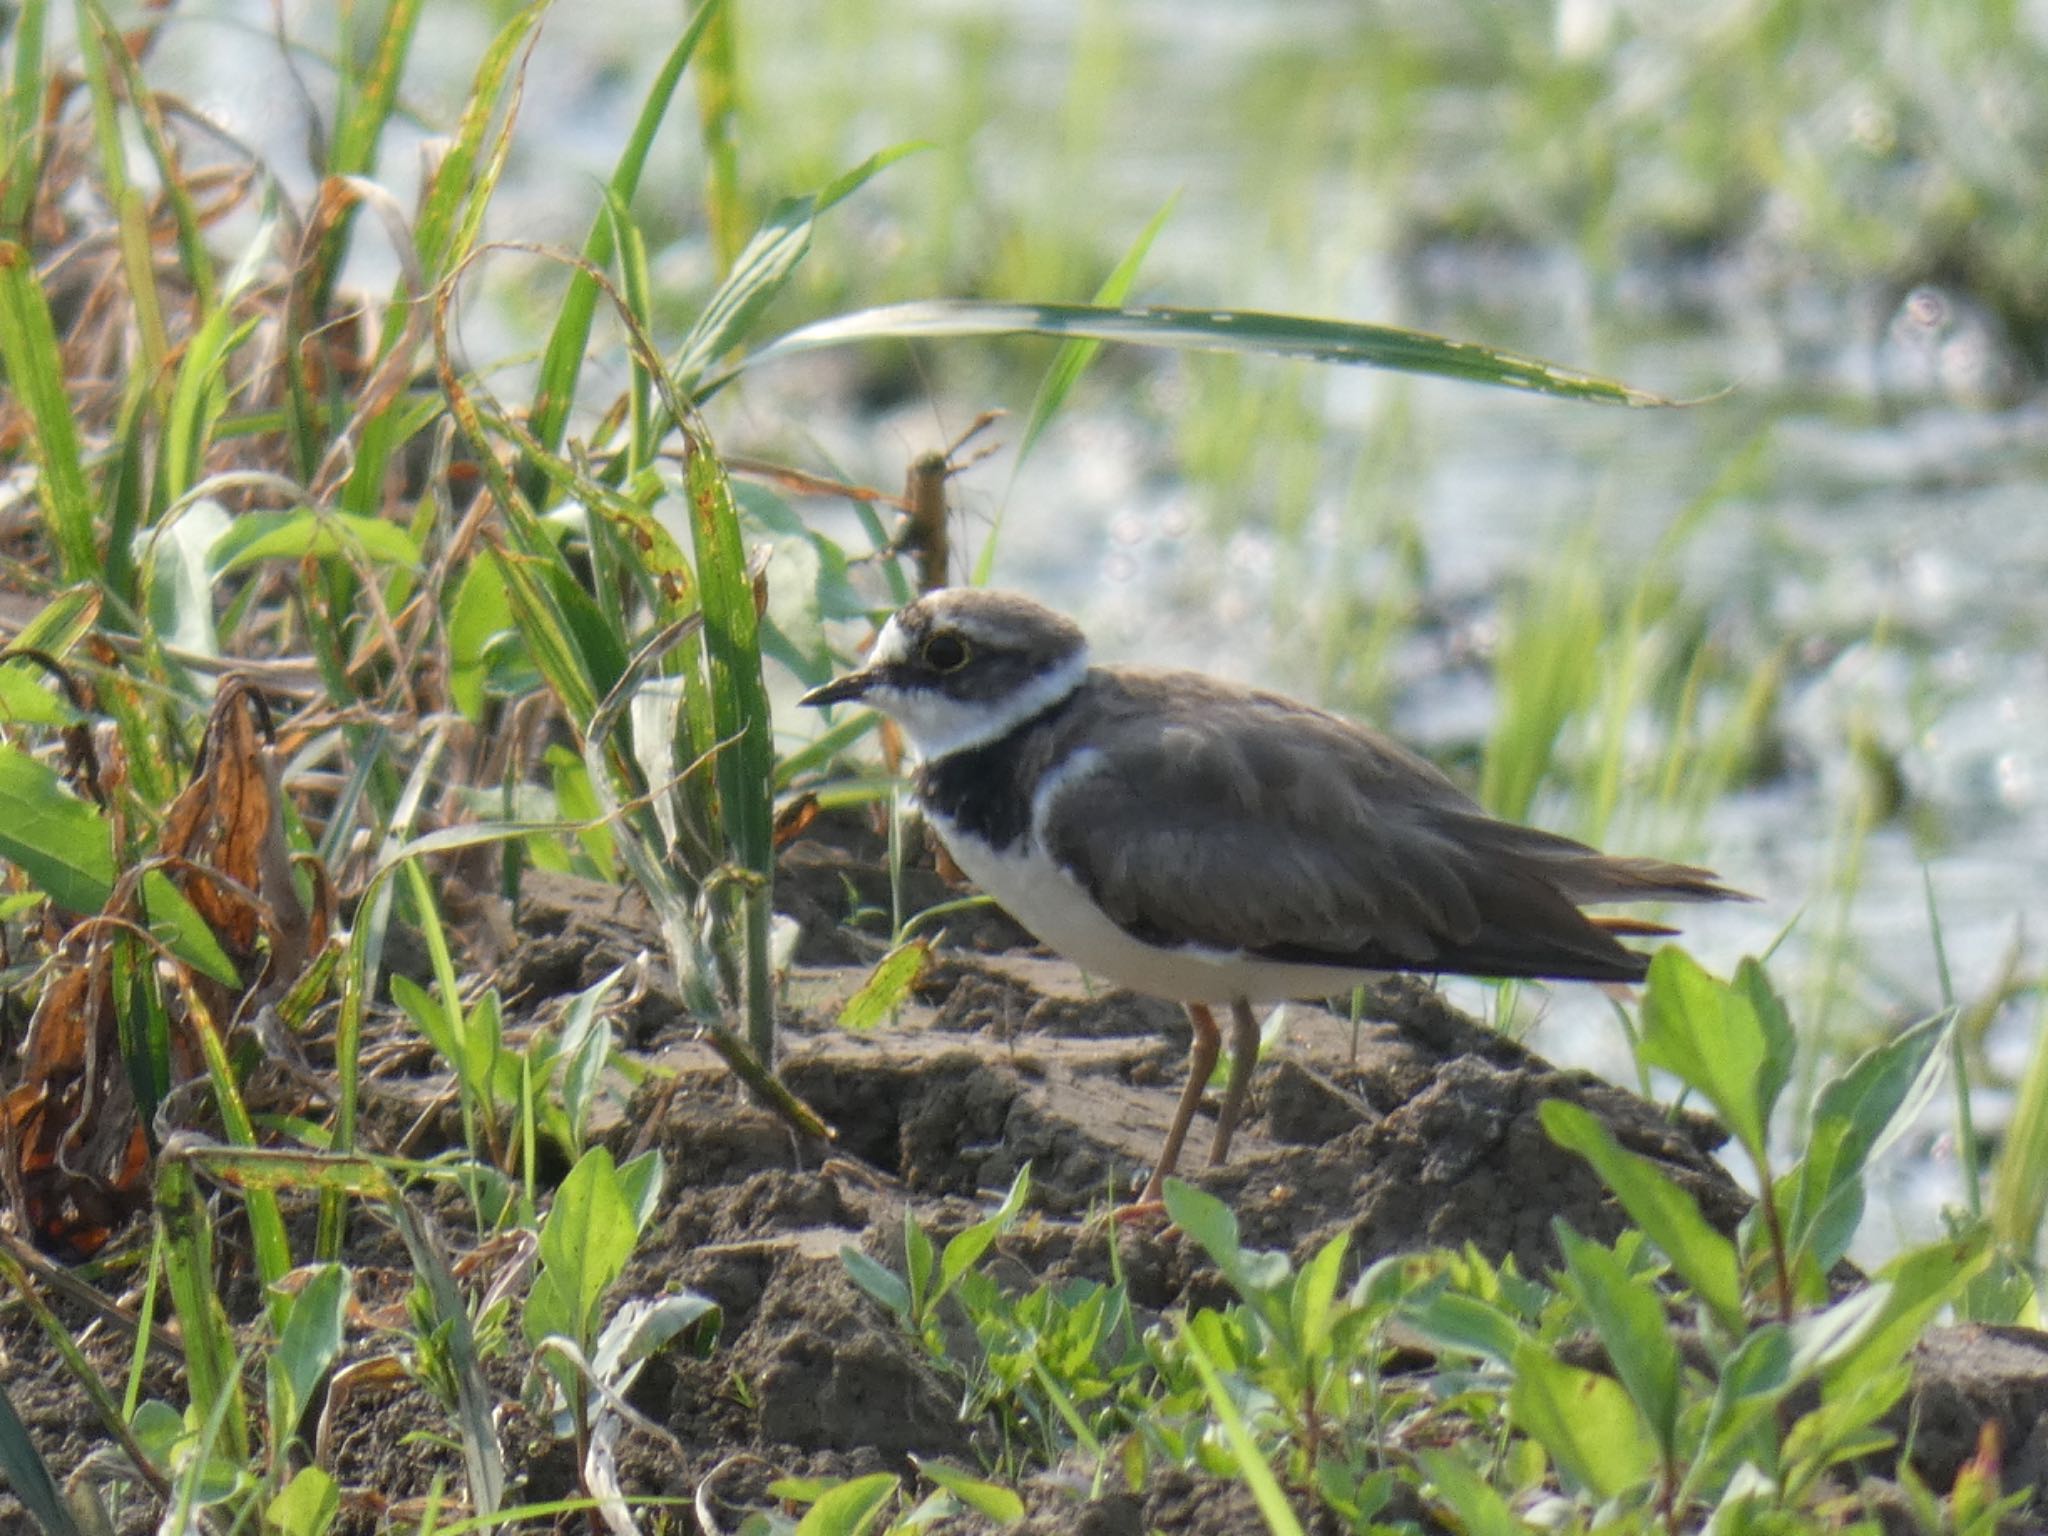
1415, 1128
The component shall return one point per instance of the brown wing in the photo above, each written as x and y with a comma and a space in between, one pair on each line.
1249, 823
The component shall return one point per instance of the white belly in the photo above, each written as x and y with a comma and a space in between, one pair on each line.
1058, 912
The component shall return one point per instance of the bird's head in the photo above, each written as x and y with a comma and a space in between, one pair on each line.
963, 666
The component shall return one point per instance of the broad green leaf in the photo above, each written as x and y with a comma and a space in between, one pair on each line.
1728, 1042
1740, 1427
60, 843
481, 636
850, 1508
639, 1181
311, 1339
884, 1285
309, 534
1584, 1420
584, 1243
1481, 1511
1920, 1283
1630, 1319
1315, 1289
1205, 330
1213, 1226
307, 1506
1453, 1321
177, 580
1669, 1217
887, 987
990, 1500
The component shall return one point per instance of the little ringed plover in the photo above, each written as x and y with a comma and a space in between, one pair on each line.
1209, 843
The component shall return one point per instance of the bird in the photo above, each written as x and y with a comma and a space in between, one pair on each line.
1193, 839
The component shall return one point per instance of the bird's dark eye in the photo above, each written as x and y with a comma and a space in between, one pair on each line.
944, 652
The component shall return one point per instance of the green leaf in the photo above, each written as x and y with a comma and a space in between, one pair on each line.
990, 1500
1315, 1289
1731, 1043
967, 1247
764, 267
1480, 1510
584, 1243
309, 534
1584, 1420
849, 1509
1631, 1322
1669, 1217
887, 986
62, 844
1918, 1284
311, 1338
563, 364
27, 1476
1254, 1274
307, 1506
1251, 1461
1205, 330
1465, 1324
36, 377
745, 766
883, 1284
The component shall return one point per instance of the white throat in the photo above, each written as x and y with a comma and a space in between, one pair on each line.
937, 726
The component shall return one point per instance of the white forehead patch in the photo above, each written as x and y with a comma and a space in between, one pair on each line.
890, 646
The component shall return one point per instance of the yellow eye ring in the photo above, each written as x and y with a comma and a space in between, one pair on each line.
944, 652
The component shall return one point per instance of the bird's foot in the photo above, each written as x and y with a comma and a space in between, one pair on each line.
1148, 1210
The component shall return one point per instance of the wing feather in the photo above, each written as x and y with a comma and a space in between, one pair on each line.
1247, 823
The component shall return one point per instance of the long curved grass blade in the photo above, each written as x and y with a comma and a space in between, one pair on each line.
1068, 364
764, 267
556, 392
1206, 330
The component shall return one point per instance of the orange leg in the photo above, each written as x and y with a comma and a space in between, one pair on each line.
1202, 1054
1244, 1055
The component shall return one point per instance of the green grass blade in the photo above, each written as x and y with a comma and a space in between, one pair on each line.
718, 101
24, 1472
563, 362
365, 104
35, 375
2019, 1183
21, 123
1068, 364
1251, 1462
1073, 357
193, 257
764, 267
739, 700
1206, 330
211, 1370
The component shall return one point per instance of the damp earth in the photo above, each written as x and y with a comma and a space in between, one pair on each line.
1407, 1127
